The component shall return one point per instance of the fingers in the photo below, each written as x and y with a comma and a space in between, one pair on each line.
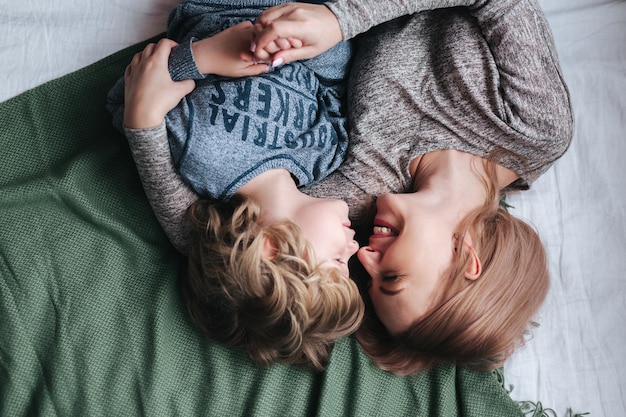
139, 55
280, 44
245, 25
295, 43
275, 37
133, 64
254, 67
147, 51
273, 13
265, 33
262, 55
162, 48
291, 55
186, 86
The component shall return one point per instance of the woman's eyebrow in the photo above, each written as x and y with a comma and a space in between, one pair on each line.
387, 292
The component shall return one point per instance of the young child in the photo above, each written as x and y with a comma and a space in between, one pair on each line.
267, 264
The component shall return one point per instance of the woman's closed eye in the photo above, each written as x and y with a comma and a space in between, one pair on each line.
390, 278
389, 282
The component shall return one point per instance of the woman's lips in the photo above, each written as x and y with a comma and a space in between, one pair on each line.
383, 229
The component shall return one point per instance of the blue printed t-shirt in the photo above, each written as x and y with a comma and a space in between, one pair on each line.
228, 131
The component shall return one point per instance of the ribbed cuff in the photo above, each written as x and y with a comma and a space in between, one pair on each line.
182, 65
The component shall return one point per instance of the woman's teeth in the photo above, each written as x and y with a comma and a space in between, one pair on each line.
382, 230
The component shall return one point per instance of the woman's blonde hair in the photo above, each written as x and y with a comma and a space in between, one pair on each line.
279, 308
473, 323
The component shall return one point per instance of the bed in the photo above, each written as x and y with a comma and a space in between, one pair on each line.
91, 322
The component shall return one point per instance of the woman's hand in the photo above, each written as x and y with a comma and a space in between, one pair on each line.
149, 92
312, 25
228, 53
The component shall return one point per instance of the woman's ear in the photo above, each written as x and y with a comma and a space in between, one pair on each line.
269, 250
474, 266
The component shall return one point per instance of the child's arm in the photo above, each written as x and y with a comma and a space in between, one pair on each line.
226, 54
168, 194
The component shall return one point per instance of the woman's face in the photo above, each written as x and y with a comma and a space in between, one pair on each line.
326, 226
411, 245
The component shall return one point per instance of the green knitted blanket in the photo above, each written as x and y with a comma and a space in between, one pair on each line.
91, 319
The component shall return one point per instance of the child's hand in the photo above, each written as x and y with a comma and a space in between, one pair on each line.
314, 26
149, 92
228, 53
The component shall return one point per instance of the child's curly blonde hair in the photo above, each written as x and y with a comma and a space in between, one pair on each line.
279, 308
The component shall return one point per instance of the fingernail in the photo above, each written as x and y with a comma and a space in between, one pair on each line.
277, 63
253, 47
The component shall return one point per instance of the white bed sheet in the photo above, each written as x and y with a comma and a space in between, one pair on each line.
577, 357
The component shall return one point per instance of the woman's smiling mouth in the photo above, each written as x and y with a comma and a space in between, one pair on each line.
383, 229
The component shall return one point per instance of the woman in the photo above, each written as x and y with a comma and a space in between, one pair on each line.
448, 107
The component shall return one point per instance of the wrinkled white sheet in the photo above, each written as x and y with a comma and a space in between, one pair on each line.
577, 357
43, 40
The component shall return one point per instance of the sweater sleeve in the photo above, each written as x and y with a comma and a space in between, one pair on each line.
535, 98
518, 35
182, 64
358, 16
517, 100
168, 194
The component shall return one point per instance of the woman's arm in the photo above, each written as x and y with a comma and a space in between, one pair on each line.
358, 16
168, 194
320, 26
149, 94
534, 95
488, 84
475, 84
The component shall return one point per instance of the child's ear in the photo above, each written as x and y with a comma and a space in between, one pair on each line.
474, 266
269, 250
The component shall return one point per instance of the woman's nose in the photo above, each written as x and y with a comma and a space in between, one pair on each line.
386, 201
369, 257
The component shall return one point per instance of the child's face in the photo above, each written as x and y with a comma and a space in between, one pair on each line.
326, 226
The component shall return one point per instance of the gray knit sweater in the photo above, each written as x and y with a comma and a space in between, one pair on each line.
483, 78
